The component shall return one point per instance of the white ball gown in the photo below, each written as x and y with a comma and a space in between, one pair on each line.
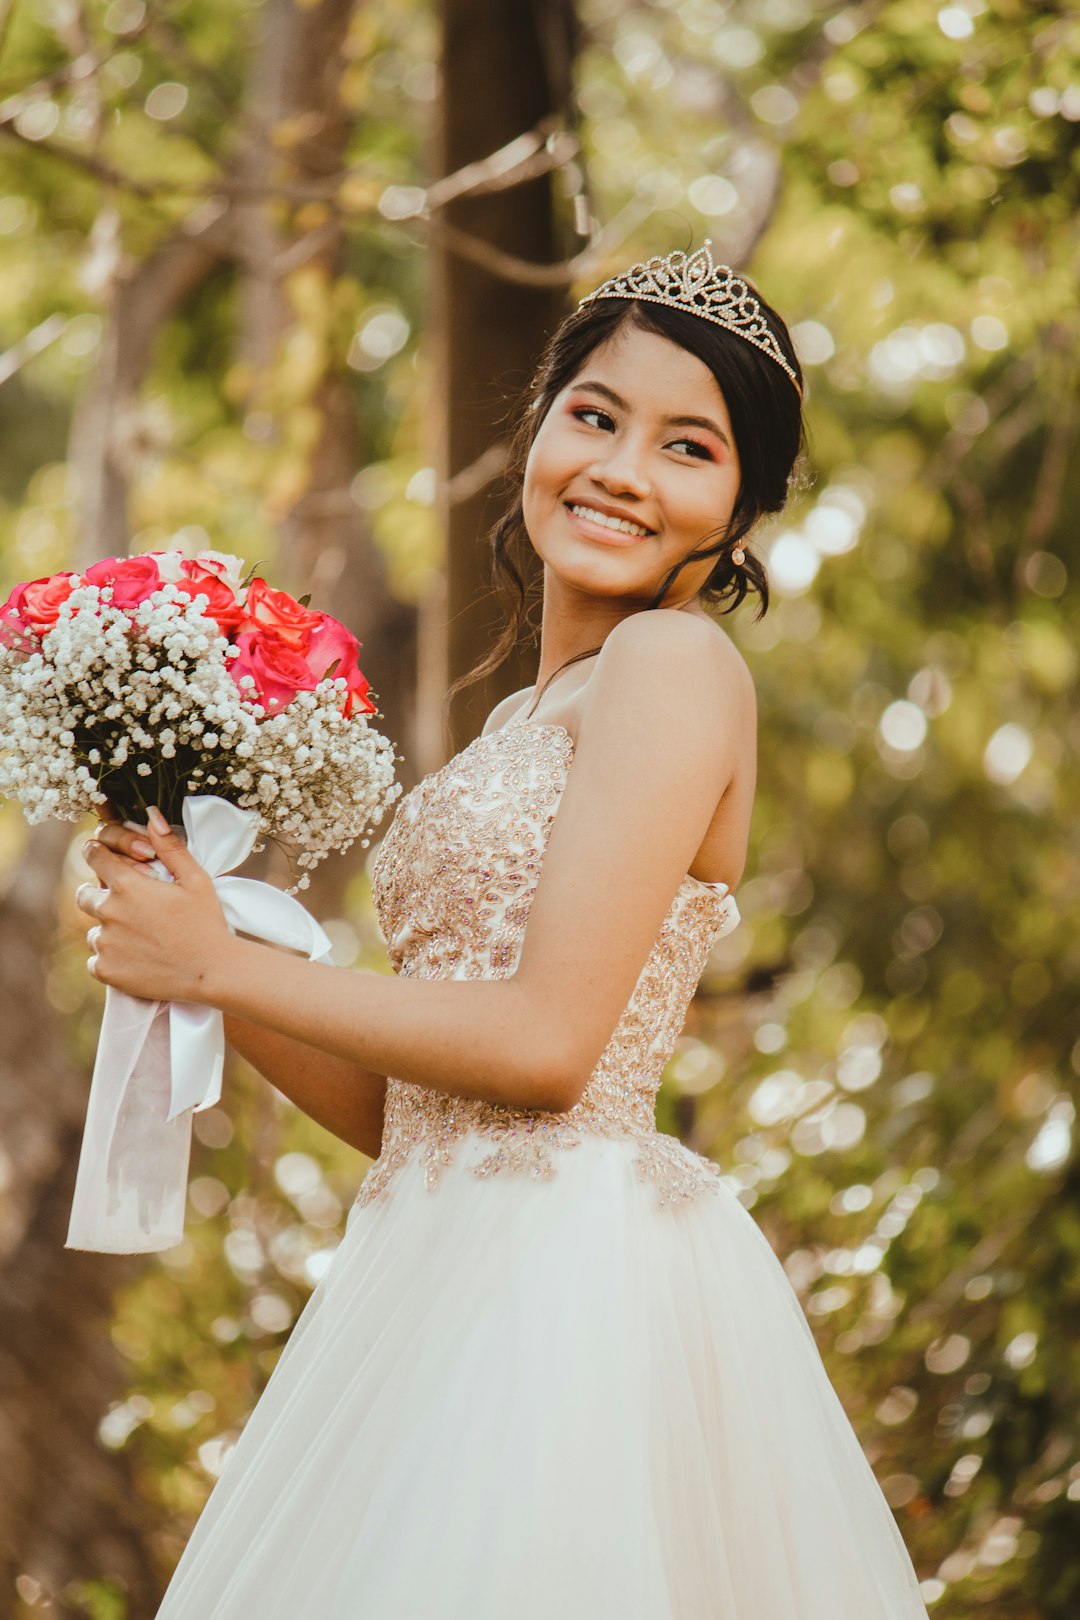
554, 1371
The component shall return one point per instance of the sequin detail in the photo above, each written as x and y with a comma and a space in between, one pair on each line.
453, 882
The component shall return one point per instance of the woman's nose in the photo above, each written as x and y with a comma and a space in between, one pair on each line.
621, 470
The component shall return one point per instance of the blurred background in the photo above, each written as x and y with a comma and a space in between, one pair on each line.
272, 275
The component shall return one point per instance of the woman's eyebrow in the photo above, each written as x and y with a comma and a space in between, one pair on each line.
668, 421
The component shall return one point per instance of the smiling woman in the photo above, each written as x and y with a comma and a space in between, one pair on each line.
554, 1368
656, 367
620, 474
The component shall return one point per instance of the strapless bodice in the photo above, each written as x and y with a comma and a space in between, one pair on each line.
453, 881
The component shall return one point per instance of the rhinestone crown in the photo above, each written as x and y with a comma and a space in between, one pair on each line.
694, 283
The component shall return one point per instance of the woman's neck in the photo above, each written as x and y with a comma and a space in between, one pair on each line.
565, 636
559, 674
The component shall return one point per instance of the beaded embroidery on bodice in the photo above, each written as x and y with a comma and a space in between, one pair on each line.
453, 882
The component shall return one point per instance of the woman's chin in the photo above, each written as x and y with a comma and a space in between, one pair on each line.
594, 579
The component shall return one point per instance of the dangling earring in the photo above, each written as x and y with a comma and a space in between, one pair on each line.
738, 556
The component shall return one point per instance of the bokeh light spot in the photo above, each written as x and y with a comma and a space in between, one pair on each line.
989, 333
713, 195
955, 23
903, 726
1008, 753
793, 563
813, 342
166, 101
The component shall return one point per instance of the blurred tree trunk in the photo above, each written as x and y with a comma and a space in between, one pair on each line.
68, 1509
326, 547
504, 69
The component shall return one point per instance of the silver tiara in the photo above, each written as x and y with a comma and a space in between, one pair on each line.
696, 284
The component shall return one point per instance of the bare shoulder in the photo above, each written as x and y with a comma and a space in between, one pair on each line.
503, 710
672, 653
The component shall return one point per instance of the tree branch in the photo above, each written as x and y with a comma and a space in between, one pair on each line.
525, 273
530, 153
32, 343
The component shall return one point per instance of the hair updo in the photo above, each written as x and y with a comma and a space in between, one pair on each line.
766, 419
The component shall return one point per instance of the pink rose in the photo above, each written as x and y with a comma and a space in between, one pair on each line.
331, 643
278, 670
222, 606
267, 609
133, 579
35, 606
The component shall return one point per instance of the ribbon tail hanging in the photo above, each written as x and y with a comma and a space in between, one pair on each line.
197, 1048
158, 1063
131, 1185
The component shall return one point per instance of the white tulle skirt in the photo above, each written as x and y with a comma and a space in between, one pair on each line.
523, 1400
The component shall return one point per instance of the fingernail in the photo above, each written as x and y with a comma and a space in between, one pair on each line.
156, 819
141, 847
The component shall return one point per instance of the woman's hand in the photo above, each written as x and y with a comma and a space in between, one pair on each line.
152, 939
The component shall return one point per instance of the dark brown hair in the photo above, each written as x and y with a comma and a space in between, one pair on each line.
766, 419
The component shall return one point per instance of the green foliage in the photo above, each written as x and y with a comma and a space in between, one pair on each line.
885, 1054
217, 442
101, 1600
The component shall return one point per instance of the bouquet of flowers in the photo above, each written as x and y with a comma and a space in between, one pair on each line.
152, 677
241, 713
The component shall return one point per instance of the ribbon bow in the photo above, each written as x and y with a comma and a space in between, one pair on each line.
158, 1063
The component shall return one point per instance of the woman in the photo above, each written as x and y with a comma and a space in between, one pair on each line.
554, 1371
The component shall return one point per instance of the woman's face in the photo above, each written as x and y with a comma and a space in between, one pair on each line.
641, 436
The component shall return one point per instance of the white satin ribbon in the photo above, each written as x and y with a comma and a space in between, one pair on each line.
159, 1062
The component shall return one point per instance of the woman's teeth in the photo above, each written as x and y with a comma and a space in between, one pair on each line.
606, 521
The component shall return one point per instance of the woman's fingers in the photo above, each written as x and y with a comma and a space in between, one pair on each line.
109, 865
90, 899
115, 836
108, 815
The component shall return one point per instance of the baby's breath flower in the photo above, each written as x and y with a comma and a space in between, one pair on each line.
104, 683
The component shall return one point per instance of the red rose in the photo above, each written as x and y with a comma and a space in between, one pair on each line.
222, 607
35, 606
331, 643
133, 579
279, 671
267, 609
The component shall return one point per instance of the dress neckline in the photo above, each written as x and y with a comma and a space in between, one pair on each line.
555, 725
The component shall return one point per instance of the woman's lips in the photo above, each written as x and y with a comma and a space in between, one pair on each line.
606, 536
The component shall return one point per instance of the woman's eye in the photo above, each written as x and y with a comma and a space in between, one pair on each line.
584, 411
695, 448
604, 422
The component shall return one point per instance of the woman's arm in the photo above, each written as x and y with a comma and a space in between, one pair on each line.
347, 1100
336, 1093
666, 723
638, 799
